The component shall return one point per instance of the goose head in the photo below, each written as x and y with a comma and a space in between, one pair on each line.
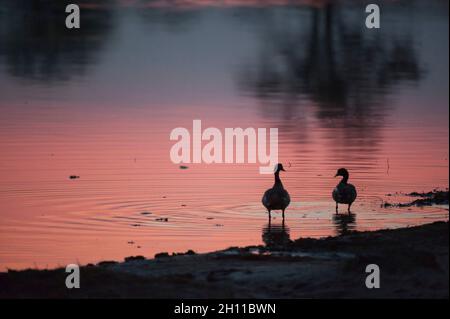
279, 167
342, 172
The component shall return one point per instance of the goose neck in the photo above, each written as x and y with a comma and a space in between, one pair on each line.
344, 179
277, 179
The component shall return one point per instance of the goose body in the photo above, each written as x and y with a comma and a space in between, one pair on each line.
276, 198
344, 193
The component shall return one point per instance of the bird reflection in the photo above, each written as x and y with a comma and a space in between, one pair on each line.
344, 223
275, 234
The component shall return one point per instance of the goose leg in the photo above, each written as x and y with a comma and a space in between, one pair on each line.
283, 215
349, 207
336, 208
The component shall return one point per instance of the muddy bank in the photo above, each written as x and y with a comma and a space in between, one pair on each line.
413, 261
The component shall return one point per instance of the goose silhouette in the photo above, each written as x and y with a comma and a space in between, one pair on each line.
344, 193
276, 198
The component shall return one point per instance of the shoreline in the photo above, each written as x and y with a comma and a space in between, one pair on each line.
413, 261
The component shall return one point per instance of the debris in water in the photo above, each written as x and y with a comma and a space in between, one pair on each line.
435, 197
162, 219
74, 176
146, 213
183, 167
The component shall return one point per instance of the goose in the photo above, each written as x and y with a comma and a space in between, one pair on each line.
344, 193
276, 198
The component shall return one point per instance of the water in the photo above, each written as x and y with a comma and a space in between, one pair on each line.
100, 102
